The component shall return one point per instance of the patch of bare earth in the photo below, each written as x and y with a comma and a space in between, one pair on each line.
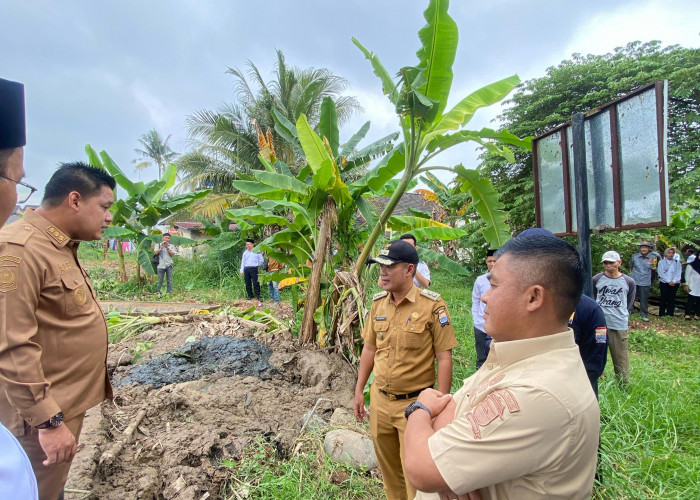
168, 443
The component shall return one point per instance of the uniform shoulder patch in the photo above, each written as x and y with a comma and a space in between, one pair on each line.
379, 295
430, 294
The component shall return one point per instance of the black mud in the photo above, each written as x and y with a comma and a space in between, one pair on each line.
223, 355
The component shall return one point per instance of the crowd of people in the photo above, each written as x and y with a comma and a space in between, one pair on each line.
525, 425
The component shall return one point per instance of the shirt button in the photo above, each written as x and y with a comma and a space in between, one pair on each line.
489, 366
76, 281
27, 228
397, 310
411, 328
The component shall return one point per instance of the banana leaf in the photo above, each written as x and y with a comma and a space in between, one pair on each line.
430, 257
388, 85
328, 124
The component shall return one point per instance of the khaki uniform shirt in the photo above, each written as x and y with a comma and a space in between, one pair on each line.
526, 425
407, 336
53, 335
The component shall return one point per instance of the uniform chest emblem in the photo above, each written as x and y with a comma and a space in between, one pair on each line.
80, 296
8, 278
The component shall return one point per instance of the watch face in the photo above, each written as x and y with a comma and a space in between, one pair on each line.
56, 420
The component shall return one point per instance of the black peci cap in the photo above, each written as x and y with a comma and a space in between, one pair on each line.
396, 251
13, 132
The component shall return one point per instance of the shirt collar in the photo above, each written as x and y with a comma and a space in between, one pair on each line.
410, 296
510, 352
55, 235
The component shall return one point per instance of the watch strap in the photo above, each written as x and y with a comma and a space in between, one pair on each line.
415, 406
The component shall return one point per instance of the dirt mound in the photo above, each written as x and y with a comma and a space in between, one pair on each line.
169, 442
225, 355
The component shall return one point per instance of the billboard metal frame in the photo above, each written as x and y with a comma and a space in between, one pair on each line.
611, 109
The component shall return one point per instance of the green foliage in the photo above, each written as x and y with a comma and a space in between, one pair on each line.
586, 82
145, 206
263, 474
420, 97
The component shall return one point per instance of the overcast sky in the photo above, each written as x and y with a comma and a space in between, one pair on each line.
104, 73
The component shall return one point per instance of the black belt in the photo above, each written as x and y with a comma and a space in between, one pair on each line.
401, 396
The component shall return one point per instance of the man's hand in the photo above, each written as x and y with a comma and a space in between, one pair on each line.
241, 274
58, 444
359, 406
434, 400
449, 495
672, 283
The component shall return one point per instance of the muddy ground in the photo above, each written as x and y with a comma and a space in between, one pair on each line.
181, 431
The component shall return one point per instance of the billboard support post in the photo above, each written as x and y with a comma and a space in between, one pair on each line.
581, 189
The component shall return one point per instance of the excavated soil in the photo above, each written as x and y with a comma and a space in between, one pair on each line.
242, 385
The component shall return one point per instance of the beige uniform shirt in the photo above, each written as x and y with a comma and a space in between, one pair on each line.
407, 336
526, 425
53, 335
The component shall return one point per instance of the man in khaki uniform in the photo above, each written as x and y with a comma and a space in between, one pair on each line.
406, 330
53, 335
526, 425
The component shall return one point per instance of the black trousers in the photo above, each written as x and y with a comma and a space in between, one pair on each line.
693, 303
668, 299
250, 274
482, 342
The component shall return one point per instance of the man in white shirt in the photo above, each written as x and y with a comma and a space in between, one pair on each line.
249, 269
422, 277
482, 341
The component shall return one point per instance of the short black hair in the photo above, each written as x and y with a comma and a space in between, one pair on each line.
250, 240
552, 263
75, 176
409, 236
166, 234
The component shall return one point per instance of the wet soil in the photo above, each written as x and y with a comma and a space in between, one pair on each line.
183, 430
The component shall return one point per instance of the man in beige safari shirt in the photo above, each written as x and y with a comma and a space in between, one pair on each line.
526, 425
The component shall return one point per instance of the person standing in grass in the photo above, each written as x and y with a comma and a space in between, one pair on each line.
526, 425
642, 266
273, 286
613, 291
407, 330
165, 252
249, 270
482, 341
692, 286
422, 277
669, 281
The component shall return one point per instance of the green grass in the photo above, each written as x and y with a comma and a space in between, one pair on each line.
309, 474
650, 429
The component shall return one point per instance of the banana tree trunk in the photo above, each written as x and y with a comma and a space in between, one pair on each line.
105, 248
383, 218
313, 294
122, 267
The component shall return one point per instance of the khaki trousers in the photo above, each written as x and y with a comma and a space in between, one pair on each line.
52, 479
387, 425
619, 352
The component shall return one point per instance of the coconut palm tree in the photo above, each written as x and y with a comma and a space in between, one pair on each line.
156, 151
225, 143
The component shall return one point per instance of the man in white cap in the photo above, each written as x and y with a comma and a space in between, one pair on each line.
613, 291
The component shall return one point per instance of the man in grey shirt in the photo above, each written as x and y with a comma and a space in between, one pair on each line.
613, 291
165, 253
641, 266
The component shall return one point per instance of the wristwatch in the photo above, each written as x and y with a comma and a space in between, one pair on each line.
414, 406
54, 421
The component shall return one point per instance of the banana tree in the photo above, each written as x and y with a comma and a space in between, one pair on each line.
314, 208
420, 96
147, 204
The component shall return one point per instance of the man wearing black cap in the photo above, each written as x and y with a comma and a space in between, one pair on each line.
17, 478
482, 340
406, 330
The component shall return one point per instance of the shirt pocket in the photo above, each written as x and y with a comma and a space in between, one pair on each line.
415, 334
76, 295
381, 332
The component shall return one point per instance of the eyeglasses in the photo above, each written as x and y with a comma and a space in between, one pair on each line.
24, 190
